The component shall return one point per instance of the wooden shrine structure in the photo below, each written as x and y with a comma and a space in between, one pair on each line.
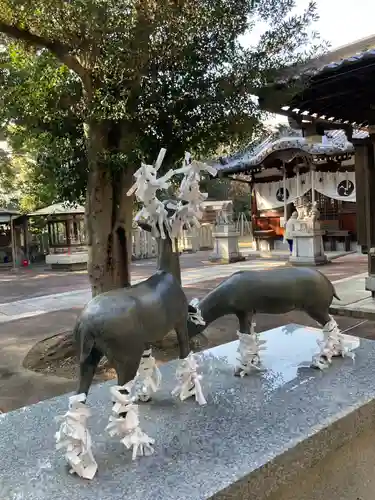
336, 92
289, 163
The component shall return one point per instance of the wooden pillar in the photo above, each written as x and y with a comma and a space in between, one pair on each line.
13, 242
312, 173
51, 239
284, 194
68, 224
365, 196
26, 238
363, 155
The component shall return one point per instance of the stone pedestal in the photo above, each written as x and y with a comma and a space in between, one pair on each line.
264, 240
255, 436
75, 261
308, 248
226, 249
370, 280
189, 241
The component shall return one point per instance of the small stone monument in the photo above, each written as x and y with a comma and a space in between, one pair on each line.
226, 236
308, 247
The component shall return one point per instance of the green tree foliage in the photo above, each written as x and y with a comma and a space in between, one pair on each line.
100, 84
25, 184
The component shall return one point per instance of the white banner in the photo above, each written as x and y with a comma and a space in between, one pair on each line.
336, 185
270, 195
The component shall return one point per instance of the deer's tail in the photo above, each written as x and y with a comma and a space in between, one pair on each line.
84, 340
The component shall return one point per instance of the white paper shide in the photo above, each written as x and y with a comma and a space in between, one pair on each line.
74, 436
189, 381
334, 344
249, 348
149, 375
124, 422
195, 314
187, 206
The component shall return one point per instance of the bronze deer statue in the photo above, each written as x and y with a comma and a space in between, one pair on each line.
273, 291
122, 324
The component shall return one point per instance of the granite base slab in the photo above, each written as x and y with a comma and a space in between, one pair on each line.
253, 436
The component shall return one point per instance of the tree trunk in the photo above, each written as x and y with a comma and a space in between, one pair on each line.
108, 216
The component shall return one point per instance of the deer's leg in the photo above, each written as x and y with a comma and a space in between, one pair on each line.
87, 370
124, 421
126, 367
78, 450
244, 319
149, 373
188, 379
183, 339
248, 347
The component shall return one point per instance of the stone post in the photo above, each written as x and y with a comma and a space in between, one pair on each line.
225, 234
308, 247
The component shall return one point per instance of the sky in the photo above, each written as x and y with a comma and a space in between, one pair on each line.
341, 22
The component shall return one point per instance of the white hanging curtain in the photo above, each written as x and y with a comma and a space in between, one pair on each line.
270, 195
336, 185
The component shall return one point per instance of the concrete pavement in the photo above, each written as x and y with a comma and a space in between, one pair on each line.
35, 306
38, 280
341, 270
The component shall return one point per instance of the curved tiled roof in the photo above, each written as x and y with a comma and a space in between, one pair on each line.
256, 153
353, 53
59, 209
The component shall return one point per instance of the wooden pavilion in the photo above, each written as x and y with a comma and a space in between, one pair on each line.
13, 238
66, 235
336, 92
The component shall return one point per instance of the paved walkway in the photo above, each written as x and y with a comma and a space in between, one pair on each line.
342, 268
10, 311
42, 303
38, 280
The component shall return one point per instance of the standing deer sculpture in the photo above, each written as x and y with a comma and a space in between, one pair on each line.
122, 324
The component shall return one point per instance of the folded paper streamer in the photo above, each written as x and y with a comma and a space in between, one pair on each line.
333, 345
74, 436
189, 382
149, 374
124, 422
249, 348
195, 314
187, 207
188, 210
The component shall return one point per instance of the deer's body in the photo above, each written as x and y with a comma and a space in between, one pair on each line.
121, 324
274, 291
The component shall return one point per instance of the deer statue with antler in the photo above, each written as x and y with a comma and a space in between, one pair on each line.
123, 324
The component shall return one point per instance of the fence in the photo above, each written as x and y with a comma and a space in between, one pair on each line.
145, 247
243, 225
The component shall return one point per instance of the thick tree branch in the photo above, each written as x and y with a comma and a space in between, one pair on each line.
60, 50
